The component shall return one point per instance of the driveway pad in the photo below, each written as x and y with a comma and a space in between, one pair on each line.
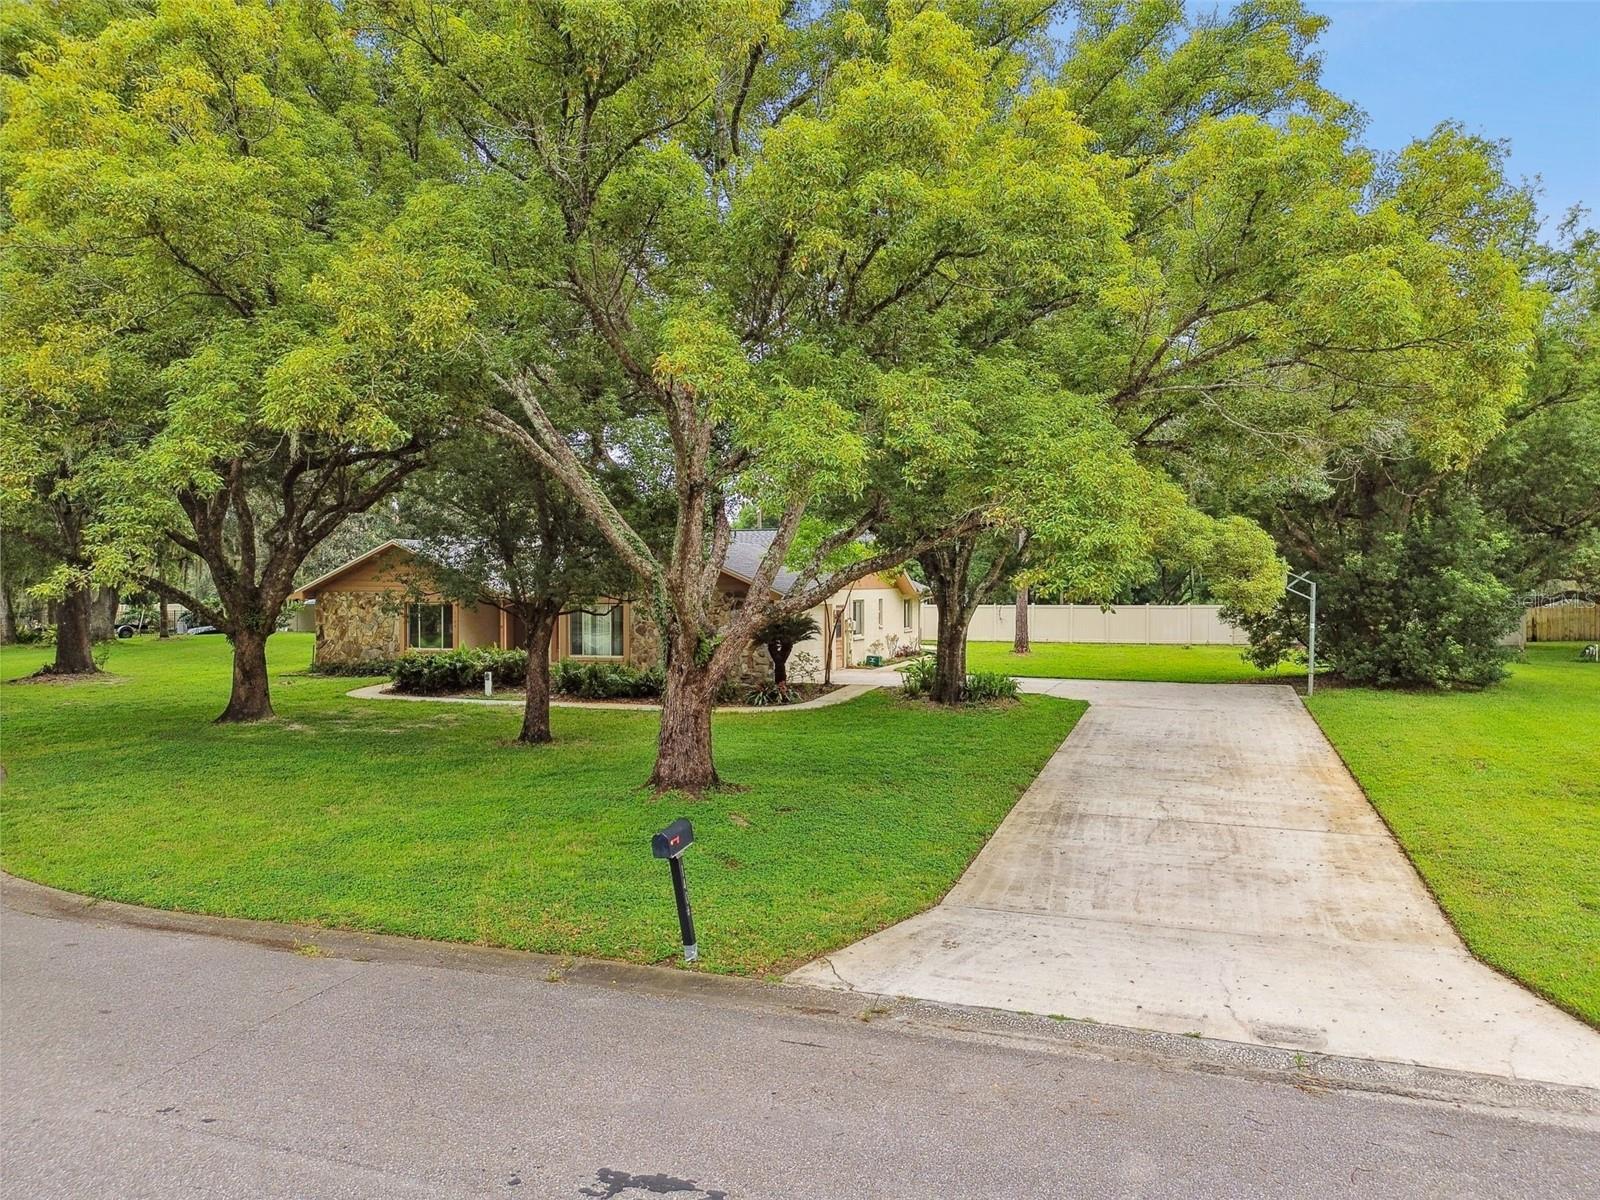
1196, 859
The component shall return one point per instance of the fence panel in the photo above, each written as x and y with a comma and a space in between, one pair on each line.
1154, 624
1562, 623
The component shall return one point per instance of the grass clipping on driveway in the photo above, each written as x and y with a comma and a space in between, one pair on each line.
427, 820
1496, 797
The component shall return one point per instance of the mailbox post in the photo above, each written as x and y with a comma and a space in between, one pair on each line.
670, 843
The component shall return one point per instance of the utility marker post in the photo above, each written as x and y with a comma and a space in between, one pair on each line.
670, 844
1305, 587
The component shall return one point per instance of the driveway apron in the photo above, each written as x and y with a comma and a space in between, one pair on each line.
1195, 858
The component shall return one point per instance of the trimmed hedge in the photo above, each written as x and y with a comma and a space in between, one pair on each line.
606, 681
430, 674
443, 671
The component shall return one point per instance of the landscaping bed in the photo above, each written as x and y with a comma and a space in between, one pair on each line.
427, 820
799, 693
1495, 795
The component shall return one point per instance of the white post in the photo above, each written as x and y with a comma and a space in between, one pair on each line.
1311, 646
488, 683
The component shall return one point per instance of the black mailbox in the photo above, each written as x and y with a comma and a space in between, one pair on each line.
673, 840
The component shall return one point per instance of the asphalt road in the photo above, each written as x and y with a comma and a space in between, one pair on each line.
138, 1063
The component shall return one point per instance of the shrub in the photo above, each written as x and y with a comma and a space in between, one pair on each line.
377, 666
805, 667
919, 674
989, 685
607, 681
430, 674
981, 686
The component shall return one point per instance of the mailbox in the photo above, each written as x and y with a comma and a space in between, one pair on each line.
670, 844
673, 840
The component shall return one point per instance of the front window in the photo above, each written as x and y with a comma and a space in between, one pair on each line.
431, 627
905, 611
858, 617
597, 633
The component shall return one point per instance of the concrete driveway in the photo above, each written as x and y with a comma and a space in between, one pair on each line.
1195, 858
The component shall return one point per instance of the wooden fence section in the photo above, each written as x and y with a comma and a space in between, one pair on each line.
1562, 623
1154, 624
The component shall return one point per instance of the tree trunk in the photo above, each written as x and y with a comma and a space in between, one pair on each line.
8, 616
1019, 644
948, 569
251, 699
683, 750
536, 706
161, 617
74, 647
103, 616
950, 669
779, 652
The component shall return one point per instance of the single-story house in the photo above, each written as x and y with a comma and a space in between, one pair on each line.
379, 605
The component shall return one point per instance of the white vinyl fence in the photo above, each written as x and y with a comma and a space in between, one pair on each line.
1164, 624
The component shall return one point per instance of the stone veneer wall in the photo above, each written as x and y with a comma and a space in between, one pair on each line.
355, 627
644, 636
644, 646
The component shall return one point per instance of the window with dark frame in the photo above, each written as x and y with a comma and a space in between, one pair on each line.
431, 627
596, 632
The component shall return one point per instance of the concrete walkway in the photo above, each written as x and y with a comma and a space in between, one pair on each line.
1196, 859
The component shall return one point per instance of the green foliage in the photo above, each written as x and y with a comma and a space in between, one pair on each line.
427, 673
372, 668
986, 686
1409, 598
918, 675
606, 681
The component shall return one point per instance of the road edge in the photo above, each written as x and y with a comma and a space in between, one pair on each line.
1528, 1099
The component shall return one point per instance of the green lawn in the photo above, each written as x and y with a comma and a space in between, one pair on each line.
1085, 660
1496, 797
426, 820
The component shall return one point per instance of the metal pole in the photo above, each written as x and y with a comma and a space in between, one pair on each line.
1311, 645
680, 892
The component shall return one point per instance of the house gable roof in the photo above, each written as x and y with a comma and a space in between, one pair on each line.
406, 546
745, 550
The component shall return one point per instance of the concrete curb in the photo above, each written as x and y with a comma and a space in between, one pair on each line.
842, 695
1529, 1099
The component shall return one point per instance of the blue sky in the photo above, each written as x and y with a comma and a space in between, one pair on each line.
1523, 70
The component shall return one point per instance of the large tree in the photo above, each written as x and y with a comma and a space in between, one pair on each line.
1423, 565
494, 533
198, 166
791, 235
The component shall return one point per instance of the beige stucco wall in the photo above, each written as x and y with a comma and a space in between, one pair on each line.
477, 625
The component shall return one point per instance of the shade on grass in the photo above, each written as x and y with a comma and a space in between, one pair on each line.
427, 820
1085, 660
1496, 797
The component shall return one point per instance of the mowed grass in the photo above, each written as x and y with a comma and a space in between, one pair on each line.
426, 819
1496, 797
1084, 660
